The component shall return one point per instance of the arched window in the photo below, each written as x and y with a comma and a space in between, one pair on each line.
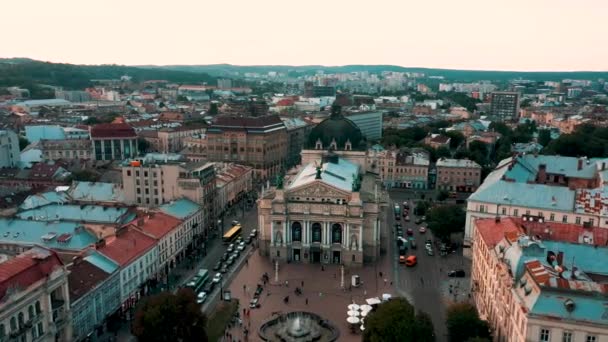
38, 308
2, 331
336, 233
296, 232
21, 319
316, 232
30, 311
13, 324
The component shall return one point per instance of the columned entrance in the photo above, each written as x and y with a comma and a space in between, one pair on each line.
296, 254
336, 257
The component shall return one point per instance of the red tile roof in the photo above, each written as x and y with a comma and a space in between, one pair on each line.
84, 277
27, 268
156, 224
492, 232
127, 245
112, 130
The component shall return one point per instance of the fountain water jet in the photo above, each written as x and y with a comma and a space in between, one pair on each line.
298, 327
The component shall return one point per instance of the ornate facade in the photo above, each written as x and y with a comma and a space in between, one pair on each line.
327, 213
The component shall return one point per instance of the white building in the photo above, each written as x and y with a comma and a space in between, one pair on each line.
9, 149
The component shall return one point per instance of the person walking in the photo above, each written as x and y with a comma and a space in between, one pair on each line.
306, 301
302, 283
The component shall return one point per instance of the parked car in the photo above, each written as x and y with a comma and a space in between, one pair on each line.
217, 278
236, 254
456, 274
217, 266
230, 260
254, 303
241, 246
224, 268
411, 261
235, 222
407, 218
402, 259
248, 240
422, 230
254, 232
258, 291
225, 256
230, 248
412, 243
429, 251
202, 296
209, 287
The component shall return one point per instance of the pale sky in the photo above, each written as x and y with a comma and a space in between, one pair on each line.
460, 34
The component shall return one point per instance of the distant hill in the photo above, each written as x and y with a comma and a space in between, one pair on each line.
449, 74
28, 73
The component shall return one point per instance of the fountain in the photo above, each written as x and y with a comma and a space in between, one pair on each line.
298, 327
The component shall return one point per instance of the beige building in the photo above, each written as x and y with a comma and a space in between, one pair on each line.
460, 175
35, 303
65, 149
407, 169
171, 139
260, 142
233, 182
539, 281
328, 213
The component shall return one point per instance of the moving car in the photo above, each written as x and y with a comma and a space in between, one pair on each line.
456, 274
217, 266
410, 232
411, 261
418, 220
429, 251
402, 259
399, 233
248, 240
217, 278
255, 303
412, 243
202, 296
241, 246
422, 230
209, 287
402, 250
254, 232
407, 218
230, 248
224, 269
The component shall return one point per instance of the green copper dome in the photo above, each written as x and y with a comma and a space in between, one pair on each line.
337, 128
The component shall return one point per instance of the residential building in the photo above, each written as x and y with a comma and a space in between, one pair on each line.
259, 142
531, 147
297, 134
171, 140
34, 133
113, 141
504, 105
195, 148
65, 149
171, 235
73, 95
97, 192
407, 169
35, 303
437, 140
460, 175
233, 183
370, 123
137, 256
9, 149
325, 213
39, 175
555, 188
535, 280
94, 283
194, 219
224, 83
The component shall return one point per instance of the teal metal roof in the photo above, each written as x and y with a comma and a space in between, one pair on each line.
54, 235
587, 308
182, 208
80, 213
96, 192
101, 261
44, 132
42, 199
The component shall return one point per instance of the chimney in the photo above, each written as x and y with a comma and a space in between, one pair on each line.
542, 174
580, 163
560, 258
140, 222
100, 244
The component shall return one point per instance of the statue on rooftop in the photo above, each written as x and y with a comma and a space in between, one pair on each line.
319, 170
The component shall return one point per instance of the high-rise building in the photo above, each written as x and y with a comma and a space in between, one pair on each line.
224, 83
9, 149
504, 105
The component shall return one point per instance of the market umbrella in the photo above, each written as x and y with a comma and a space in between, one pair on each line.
352, 320
364, 313
365, 307
353, 307
353, 313
362, 328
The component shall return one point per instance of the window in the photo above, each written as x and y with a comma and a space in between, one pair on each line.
578, 220
567, 336
336, 233
515, 212
552, 217
138, 191
38, 309
2, 331
129, 173
316, 232
145, 173
21, 320
13, 324
504, 211
527, 212
545, 335
296, 232
565, 219
482, 208
137, 173
591, 338
40, 329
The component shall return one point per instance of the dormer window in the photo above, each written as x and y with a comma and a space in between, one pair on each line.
348, 146
318, 145
333, 145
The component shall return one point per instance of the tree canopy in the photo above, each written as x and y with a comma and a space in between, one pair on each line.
170, 317
464, 324
408, 137
396, 320
586, 140
444, 220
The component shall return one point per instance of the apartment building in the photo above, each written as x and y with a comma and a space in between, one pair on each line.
194, 219
297, 134
233, 183
171, 139
259, 142
504, 105
534, 280
437, 140
9, 149
554, 188
35, 303
460, 175
65, 149
407, 169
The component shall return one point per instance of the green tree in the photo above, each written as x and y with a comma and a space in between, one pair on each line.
544, 137
443, 195
397, 321
525, 103
168, 317
181, 98
421, 208
442, 152
84, 176
92, 121
23, 142
456, 138
444, 220
586, 140
463, 323
143, 146
213, 109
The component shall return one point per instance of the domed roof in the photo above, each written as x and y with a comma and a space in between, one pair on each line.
337, 128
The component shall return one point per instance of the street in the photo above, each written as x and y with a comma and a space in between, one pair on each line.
426, 285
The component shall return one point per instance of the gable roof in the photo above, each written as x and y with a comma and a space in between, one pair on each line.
84, 277
127, 246
156, 224
336, 174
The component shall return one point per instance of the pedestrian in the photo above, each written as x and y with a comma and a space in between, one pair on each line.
421, 280
306, 301
244, 288
286, 283
302, 283
380, 273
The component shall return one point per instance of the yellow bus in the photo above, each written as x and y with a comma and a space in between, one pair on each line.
232, 234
